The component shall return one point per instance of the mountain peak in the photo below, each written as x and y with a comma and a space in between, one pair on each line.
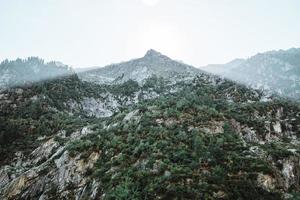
153, 63
152, 53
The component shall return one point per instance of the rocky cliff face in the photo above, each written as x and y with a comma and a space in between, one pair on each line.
49, 171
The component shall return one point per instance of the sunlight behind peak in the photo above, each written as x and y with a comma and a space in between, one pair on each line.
150, 2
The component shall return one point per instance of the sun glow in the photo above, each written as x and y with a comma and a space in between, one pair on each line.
163, 38
150, 2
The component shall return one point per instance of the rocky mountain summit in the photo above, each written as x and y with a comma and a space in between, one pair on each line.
153, 63
167, 132
274, 71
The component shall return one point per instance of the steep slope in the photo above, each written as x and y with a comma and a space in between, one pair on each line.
276, 71
153, 63
30, 70
180, 137
37, 109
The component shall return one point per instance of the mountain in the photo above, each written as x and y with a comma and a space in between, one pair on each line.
221, 69
84, 69
153, 63
275, 71
168, 136
30, 70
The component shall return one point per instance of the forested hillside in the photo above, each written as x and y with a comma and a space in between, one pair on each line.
204, 137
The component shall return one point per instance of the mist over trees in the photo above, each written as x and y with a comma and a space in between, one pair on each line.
30, 70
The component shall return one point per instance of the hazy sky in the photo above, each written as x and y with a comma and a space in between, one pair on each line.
84, 33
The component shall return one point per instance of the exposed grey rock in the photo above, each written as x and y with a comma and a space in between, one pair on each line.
288, 171
153, 63
132, 116
250, 135
266, 182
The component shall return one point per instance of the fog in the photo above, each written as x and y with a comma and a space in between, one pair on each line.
96, 33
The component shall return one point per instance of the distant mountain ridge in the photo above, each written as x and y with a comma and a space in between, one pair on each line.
275, 71
30, 70
153, 63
